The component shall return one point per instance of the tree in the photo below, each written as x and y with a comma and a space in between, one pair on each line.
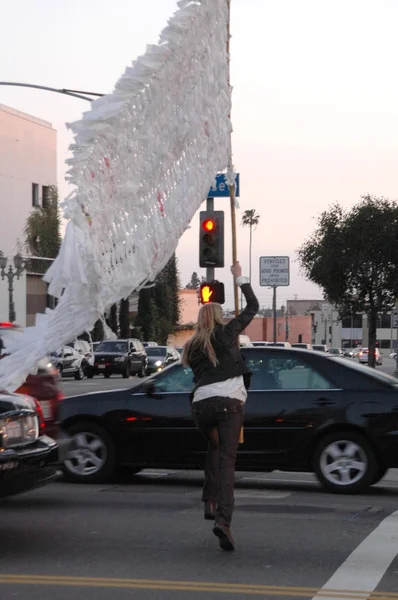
111, 321
43, 231
97, 334
250, 218
353, 256
194, 284
159, 306
124, 318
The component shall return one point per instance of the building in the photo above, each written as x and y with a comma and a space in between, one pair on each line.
261, 328
28, 156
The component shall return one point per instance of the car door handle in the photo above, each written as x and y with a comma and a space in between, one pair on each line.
323, 402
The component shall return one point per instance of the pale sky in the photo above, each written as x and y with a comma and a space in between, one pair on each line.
315, 103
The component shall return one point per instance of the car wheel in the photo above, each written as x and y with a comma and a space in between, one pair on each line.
79, 374
123, 472
126, 373
345, 463
142, 372
90, 375
379, 475
91, 454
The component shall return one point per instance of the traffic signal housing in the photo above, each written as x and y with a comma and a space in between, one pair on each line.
211, 239
212, 292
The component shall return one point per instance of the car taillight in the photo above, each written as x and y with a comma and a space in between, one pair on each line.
40, 415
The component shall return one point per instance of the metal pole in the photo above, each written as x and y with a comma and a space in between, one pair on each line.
50, 89
11, 306
210, 270
274, 311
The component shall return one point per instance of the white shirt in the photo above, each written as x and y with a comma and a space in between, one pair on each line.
230, 388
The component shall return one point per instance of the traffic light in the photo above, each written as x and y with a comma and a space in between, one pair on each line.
211, 239
212, 292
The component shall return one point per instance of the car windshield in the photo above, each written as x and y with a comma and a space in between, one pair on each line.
334, 351
156, 351
372, 373
112, 347
319, 348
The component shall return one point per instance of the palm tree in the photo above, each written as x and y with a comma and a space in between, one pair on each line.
250, 218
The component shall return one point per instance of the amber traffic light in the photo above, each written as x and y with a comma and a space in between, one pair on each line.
212, 292
211, 239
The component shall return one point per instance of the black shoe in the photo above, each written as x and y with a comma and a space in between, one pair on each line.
224, 535
210, 510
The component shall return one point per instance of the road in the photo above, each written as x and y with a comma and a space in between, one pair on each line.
146, 539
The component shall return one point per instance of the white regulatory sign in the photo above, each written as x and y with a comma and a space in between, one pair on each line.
274, 271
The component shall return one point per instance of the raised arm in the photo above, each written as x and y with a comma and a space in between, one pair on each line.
239, 323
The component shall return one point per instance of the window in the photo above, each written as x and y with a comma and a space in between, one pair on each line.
384, 321
45, 195
285, 372
35, 194
385, 344
177, 379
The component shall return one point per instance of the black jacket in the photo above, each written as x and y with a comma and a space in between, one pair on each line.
226, 346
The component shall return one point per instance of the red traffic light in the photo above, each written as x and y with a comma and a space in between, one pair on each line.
209, 225
212, 292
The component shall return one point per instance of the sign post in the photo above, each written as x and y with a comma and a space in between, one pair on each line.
274, 272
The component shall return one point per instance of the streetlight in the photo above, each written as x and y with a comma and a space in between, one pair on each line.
11, 274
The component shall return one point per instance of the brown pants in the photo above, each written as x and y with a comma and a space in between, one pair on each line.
220, 421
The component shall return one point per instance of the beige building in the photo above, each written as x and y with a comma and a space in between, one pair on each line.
28, 155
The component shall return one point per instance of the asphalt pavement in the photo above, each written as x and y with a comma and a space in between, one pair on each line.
146, 538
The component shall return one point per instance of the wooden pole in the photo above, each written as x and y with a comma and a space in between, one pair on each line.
232, 187
232, 191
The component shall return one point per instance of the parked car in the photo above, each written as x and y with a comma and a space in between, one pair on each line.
279, 344
149, 344
160, 357
336, 352
393, 355
42, 384
70, 362
325, 415
302, 346
364, 356
27, 457
259, 344
123, 357
320, 347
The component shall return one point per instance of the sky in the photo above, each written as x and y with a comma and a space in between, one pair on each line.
315, 104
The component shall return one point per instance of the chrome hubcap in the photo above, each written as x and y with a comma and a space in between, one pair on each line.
87, 454
343, 462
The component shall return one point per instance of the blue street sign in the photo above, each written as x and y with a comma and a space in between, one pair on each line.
222, 190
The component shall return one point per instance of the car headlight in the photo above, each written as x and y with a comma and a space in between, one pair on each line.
120, 359
158, 363
19, 430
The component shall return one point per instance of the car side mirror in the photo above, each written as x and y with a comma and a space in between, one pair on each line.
149, 389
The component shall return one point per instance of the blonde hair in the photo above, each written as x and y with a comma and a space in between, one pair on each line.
209, 316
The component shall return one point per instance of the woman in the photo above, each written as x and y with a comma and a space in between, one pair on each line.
218, 397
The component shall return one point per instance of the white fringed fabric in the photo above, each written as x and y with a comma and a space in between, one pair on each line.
143, 161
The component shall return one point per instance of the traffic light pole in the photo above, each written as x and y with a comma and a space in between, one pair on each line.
274, 311
210, 274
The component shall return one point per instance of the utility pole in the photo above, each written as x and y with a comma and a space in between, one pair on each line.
287, 326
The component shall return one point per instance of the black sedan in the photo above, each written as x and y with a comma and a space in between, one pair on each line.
160, 357
305, 412
27, 458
